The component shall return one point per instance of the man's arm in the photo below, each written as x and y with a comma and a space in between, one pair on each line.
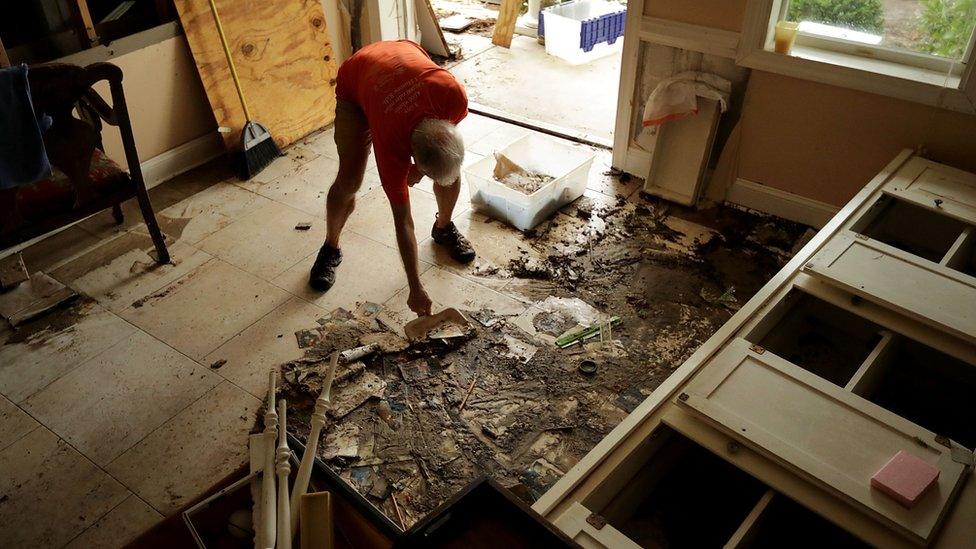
418, 301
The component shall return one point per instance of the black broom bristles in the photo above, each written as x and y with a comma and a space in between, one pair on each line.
258, 149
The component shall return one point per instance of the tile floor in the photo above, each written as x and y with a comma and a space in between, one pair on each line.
115, 396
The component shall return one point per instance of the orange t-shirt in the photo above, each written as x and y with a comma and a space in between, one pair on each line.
397, 85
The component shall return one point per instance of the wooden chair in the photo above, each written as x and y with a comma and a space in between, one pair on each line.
84, 181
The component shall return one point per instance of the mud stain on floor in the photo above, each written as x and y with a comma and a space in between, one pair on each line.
440, 413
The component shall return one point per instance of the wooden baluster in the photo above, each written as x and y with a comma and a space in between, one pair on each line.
283, 468
270, 434
311, 448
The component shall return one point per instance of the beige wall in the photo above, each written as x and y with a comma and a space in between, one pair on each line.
720, 14
825, 142
167, 104
818, 141
166, 101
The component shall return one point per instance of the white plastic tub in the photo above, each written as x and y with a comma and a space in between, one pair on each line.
584, 30
569, 165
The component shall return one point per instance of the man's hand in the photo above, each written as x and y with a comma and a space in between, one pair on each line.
414, 176
419, 302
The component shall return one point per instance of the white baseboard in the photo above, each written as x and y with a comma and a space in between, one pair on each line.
794, 207
187, 156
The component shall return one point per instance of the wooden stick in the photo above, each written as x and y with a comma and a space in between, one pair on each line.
85, 24
466, 395
505, 24
283, 468
311, 449
403, 525
268, 477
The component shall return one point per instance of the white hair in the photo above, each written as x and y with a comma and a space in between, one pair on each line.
438, 150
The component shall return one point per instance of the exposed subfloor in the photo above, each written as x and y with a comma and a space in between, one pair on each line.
121, 408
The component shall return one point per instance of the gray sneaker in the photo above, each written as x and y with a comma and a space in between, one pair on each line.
322, 276
457, 246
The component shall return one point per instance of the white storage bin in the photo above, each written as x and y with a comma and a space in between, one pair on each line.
573, 28
569, 165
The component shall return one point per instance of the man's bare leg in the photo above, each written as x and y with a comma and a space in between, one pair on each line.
444, 232
339, 205
353, 144
447, 197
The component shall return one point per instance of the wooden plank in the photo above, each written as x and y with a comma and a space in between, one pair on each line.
505, 24
865, 380
961, 250
915, 287
742, 537
83, 20
431, 35
317, 521
825, 433
283, 57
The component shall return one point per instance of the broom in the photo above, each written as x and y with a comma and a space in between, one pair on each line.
258, 148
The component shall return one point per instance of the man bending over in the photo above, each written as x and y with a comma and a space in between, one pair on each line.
392, 97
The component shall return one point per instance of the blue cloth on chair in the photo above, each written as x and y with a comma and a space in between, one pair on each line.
23, 159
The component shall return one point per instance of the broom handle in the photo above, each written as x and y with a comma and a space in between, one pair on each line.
230, 60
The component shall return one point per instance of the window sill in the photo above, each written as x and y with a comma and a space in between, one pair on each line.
877, 66
864, 74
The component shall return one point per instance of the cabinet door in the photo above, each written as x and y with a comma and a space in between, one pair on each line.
833, 437
934, 294
923, 182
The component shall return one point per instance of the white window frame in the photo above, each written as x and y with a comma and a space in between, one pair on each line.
895, 73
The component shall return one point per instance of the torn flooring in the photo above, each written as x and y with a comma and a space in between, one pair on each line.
420, 422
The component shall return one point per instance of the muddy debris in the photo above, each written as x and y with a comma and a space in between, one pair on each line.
415, 422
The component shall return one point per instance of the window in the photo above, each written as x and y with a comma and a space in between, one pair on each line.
37, 31
932, 34
917, 48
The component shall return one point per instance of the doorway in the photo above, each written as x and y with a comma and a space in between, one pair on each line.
528, 83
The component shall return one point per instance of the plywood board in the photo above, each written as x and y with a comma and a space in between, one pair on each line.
505, 24
823, 432
283, 57
931, 293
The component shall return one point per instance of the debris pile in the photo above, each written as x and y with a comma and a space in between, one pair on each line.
631, 288
515, 177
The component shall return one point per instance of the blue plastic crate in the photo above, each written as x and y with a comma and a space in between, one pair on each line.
604, 27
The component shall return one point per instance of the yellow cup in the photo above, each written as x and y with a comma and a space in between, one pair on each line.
784, 36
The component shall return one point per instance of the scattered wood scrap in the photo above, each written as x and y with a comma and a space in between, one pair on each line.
505, 25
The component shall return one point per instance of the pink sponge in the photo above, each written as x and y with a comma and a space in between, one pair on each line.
905, 478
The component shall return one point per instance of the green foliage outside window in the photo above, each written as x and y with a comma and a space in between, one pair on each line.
861, 15
945, 26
